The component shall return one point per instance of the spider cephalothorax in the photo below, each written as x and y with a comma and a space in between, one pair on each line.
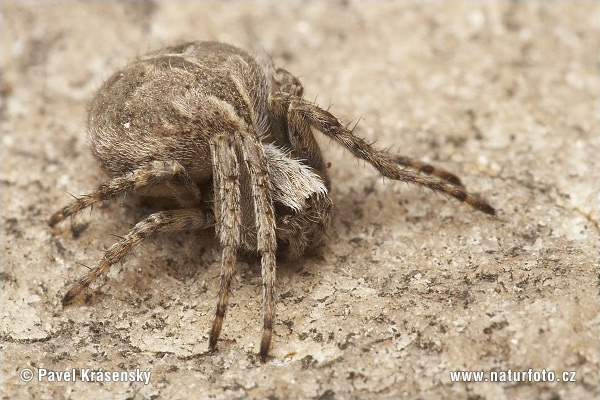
229, 137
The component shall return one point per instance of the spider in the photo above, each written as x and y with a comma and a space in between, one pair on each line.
229, 138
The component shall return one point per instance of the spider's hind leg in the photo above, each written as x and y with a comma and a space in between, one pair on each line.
169, 173
160, 222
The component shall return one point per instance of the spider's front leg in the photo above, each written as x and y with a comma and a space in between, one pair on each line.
305, 146
305, 227
388, 165
228, 215
427, 169
227, 170
256, 162
301, 139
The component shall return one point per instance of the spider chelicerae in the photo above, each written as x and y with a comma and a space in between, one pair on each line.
229, 138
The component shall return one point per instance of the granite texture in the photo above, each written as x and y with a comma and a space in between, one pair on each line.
408, 286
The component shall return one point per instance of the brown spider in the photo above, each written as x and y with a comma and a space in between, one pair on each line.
229, 137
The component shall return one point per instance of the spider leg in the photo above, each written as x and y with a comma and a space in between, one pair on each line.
227, 210
256, 163
151, 174
381, 160
305, 146
303, 142
427, 169
160, 222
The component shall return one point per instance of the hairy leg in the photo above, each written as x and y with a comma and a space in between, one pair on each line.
381, 160
301, 200
427, 169
152, 174
300, 136
228, 216
160, 222
256, 163
305, 146
306, 228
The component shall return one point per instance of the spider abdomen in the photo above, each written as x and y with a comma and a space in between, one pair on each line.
167, 105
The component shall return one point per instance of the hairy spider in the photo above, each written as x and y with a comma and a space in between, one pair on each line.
229, 137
